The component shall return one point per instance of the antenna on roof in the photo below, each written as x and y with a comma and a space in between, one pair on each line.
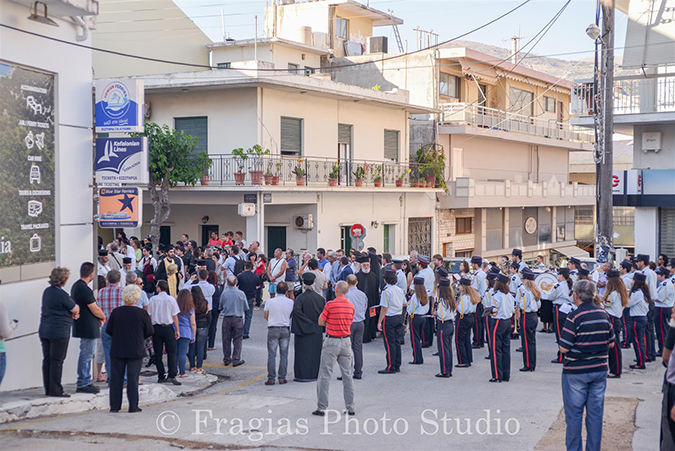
222, 24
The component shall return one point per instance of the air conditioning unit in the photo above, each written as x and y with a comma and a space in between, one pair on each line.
303, 222
246, 209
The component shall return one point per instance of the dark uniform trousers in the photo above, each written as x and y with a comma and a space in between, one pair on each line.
417, 325
489, 320
479, 326
500, 362
615, 352
639, 338
627, 329
392, 331
528, 339
428, 332
445, 331
558, 324
649, 333
463, 338
661, 320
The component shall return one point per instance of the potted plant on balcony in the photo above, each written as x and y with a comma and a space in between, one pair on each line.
300, 173
334, 174
268, 173
257, 154
205, 176
240, 158
431, 164
360, 173
401, 178
377, 176
275, 176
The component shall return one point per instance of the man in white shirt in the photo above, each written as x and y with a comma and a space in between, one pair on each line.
163, 311
278, 311
642, 264
207, 288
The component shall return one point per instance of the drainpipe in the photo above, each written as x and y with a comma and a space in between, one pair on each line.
85, 28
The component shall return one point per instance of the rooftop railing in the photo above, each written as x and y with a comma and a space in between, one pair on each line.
491, 118
632, 95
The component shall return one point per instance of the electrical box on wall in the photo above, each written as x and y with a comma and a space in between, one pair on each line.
651, 141
246, 209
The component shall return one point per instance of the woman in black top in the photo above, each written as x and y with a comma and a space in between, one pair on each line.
203, 319
56, 319
128, 326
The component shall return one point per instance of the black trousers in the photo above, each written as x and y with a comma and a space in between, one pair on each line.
463, 338
627, 329
661, 320
417, 324
615, 352
445, 330
165, 337
213, 327
667, 424
392, 331
500, 358
479, 326
558, 324
118, 367
528, 339
639, 338
54, 351
649, 333
488, 327
428, 332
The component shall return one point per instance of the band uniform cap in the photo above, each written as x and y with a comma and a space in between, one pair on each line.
423, 259
464, 281
644, 258
564, 271
444, 283
528, 274
584, 272
517, 252
613, 273
418, 281
503, 278
442, 271
476, 259
663, 271
639, 277
495, 270
627, 264
575, 261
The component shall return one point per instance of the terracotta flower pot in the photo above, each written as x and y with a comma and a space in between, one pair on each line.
275, 180
431, 182
268, 179
332, 182
300, 181
256, 177
358, 182
205, 180
378, 183
239, 178
399, 183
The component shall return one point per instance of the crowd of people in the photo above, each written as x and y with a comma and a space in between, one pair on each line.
169, 301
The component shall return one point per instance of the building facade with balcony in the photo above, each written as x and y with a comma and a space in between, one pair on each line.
507, 141
644, 108
45, 166
319, 134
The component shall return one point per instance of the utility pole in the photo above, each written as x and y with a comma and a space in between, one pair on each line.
604, 246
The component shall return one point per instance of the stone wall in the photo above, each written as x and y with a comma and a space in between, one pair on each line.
449, 241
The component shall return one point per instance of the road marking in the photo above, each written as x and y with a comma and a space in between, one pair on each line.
242, 367
243, 384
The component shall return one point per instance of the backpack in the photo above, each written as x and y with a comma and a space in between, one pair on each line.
239, 267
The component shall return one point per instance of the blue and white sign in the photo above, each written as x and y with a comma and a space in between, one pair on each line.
122, 160
119, 106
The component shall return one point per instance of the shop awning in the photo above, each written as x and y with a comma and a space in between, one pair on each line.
571, 251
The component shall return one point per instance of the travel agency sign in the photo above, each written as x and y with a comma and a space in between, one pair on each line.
119, 106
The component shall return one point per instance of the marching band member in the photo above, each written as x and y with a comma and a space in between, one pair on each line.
583, 274
562, 303
627, 278
517, 255
392, 302
639, 307
479, 284
574, 265
514, 283
615, 299
418, 307
466, 309
430, 284
488, 303
664, 306
446, 308
528, 304
500, 330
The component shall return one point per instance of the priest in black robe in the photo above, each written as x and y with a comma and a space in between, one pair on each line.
308, 334
369, 283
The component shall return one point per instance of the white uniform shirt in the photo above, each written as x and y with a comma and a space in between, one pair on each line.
464, 305
429, 279
526, 300
666, 296
401, 280
627, 280
637, 304
416, 308
444, 313
514, 283
504, 304
614, 308
393, 298
479, 282
560, 294
652, 281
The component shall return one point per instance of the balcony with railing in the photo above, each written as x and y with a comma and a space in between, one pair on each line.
632, 95
466, 192
499, 120
291, 172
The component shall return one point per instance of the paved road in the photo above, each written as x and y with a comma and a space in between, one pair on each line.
402, 411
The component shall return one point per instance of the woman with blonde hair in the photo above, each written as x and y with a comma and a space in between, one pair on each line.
128, 326
466, 308
446, 308
528, 298
418, 308
615, 300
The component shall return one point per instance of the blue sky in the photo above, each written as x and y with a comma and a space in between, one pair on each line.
448, 18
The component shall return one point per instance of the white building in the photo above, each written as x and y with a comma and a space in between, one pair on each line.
47, 155
644, 107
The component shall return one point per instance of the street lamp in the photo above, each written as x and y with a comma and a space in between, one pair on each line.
593, 31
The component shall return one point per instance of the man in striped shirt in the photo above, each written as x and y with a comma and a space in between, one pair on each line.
337, 316
585, 342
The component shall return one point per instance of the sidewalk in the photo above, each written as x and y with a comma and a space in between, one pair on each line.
31, 403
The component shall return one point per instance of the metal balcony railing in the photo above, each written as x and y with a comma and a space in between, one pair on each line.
632, 95
285, 170
480, 116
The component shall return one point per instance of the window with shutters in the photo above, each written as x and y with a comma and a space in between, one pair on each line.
549, 104
197, 127
391, 145
291, 136
521, 102
448, 85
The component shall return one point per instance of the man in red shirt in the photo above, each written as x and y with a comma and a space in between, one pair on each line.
337, 316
